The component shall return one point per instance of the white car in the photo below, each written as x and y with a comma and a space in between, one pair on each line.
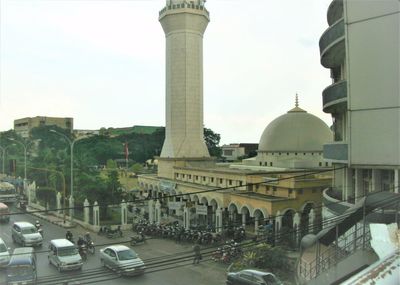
26, 234
122, 260
4, 254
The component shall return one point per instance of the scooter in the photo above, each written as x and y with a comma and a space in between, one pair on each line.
39, 228
138, 239
83, 251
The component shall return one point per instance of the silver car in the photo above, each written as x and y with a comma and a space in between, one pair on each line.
252, 277
4, 254
122, 260
26, 234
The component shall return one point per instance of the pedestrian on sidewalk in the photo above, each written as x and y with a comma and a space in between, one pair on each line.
197, 254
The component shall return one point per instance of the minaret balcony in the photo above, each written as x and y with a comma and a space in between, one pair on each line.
336, 151
192, 6
335, 11
332, 45
334, 97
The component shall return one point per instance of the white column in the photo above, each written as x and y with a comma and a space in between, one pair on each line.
278, 225
151, 211
256, 224
158, 212
96, 214
376, 180
218, 220
58, 200
186, 217
396, 181
296, 226
71, 208
124, 213
243, 219
311, 219
359, 192
85, 210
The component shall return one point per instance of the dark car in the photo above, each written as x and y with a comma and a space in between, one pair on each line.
252, 277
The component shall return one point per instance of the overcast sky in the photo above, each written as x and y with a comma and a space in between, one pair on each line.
103, 63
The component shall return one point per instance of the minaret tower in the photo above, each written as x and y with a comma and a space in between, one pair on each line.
184, 23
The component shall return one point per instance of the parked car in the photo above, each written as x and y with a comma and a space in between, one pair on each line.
22, 268
252, 277
4, 254
26, 234
64, 255
4, 213
122, 259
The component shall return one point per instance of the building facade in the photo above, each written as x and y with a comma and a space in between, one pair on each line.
234, 151
24, 126
361, 49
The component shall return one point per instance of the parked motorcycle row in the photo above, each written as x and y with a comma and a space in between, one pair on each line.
178, 233
109, 232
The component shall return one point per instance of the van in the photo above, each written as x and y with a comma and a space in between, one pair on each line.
4, 213
22, 267
64, 255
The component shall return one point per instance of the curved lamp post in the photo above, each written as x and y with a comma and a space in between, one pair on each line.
3, 150
71, 144
25, 146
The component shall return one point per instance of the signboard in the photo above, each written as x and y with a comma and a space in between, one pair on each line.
167, 186
201, 210
174, 205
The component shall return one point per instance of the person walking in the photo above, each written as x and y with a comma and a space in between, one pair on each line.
197, 254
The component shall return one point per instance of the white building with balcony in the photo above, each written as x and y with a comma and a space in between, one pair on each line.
361, 48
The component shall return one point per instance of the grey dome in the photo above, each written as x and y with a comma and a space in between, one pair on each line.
295, 131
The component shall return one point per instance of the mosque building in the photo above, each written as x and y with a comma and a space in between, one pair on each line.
281, 185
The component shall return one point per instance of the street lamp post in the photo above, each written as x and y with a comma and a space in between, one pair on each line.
3, 150
25, 146
71, 144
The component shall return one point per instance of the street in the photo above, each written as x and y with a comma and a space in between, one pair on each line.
166, 262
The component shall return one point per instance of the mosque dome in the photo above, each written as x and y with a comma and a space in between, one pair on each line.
295, 131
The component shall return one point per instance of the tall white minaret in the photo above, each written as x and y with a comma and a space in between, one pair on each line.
184, 23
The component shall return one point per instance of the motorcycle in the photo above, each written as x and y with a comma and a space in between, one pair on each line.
83, 251
114, 233
138, 239
39, 228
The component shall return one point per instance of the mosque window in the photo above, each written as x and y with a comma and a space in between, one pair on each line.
212, 179
260, 163
320, 164
189, 176
183, 175
279, 153
230, 182
295, 153
240, 183
270, 164
290, 191
304, 153
196, 177
204, 178
326, 163
265, 163
220, 180
312, 153
287, 153
176, 175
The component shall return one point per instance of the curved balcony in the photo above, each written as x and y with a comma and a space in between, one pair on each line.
334, 97
331, 199
331, 45
336, 151
335, 11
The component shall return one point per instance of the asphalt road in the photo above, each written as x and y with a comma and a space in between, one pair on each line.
167, 262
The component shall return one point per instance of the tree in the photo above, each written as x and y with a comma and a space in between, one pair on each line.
212, 141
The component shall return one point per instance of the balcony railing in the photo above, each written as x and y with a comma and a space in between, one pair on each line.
333, 95
182, 6
336, 151
335, 11
331, 45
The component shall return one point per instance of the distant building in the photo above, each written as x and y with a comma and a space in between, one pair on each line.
235, 151
24, 126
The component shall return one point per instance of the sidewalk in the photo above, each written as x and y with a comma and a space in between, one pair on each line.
50, 217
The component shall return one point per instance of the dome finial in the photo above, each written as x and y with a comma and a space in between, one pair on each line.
296, 104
